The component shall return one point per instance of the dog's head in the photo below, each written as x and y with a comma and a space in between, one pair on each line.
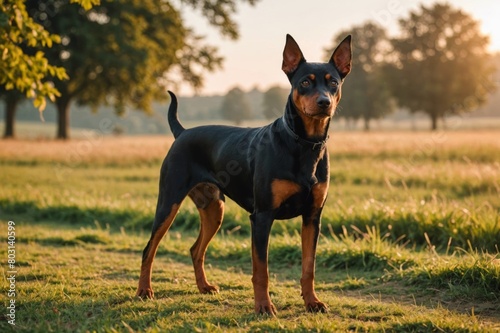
316, 87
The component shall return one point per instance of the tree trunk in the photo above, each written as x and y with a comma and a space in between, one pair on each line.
367, 124
434, 119
10, 113
62, 118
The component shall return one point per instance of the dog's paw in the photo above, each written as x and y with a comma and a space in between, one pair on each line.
208, 289
316, 306
265, 308
145, 293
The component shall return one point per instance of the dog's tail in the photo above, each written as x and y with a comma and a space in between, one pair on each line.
173, 121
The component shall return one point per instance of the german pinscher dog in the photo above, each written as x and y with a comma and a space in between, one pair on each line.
278, 171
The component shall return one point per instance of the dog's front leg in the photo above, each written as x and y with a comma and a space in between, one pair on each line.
261, 227
310, 235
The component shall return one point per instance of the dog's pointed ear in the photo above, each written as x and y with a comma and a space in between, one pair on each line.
341, 57
292, 56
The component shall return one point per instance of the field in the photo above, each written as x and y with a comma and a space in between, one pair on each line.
410, 240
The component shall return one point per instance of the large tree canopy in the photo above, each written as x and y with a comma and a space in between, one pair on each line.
119, 53
125, 52
440, 65
24, 71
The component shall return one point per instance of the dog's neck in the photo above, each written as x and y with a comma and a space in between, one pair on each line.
306, 127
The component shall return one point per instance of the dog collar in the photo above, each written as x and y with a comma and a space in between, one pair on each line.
318, 145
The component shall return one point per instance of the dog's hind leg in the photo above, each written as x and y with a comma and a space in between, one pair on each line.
210, 203
169, 201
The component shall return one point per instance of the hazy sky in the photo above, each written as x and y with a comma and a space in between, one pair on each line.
255, 59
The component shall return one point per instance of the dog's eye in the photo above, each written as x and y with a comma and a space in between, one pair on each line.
305, 83
333, 83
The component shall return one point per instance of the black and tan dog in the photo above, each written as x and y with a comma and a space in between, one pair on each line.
278, 171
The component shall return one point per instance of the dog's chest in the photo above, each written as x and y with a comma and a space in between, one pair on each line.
291, 198
303, 186
295, 204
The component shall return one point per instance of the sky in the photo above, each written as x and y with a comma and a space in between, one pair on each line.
254, 60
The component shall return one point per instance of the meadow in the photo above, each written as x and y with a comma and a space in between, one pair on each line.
409, 242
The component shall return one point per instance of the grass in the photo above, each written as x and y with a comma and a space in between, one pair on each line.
409, 240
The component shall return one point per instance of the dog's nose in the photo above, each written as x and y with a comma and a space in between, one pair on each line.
323, 102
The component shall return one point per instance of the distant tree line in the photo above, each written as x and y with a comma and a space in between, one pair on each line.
237, 105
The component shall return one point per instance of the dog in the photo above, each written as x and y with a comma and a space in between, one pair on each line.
278, 171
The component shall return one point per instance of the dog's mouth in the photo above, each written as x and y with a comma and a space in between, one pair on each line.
319, 114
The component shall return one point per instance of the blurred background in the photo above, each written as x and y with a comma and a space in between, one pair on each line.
417, 65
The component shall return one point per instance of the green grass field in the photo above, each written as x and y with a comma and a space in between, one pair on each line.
410, 240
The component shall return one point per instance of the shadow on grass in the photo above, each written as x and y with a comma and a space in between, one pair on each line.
444, 230
76, 216
184, 312
116, 219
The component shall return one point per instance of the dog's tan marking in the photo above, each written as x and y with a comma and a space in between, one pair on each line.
309, 242
144, 289
319, 193
314, 125
283, 189
260, 281
211, 219
203, 194
308, 258
309, 239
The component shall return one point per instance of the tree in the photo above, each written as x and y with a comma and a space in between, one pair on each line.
274, 102
235, 106
441, 65
12, 99
113, 54
22, 70
27, 71
123, 53
102, 52
366, 94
